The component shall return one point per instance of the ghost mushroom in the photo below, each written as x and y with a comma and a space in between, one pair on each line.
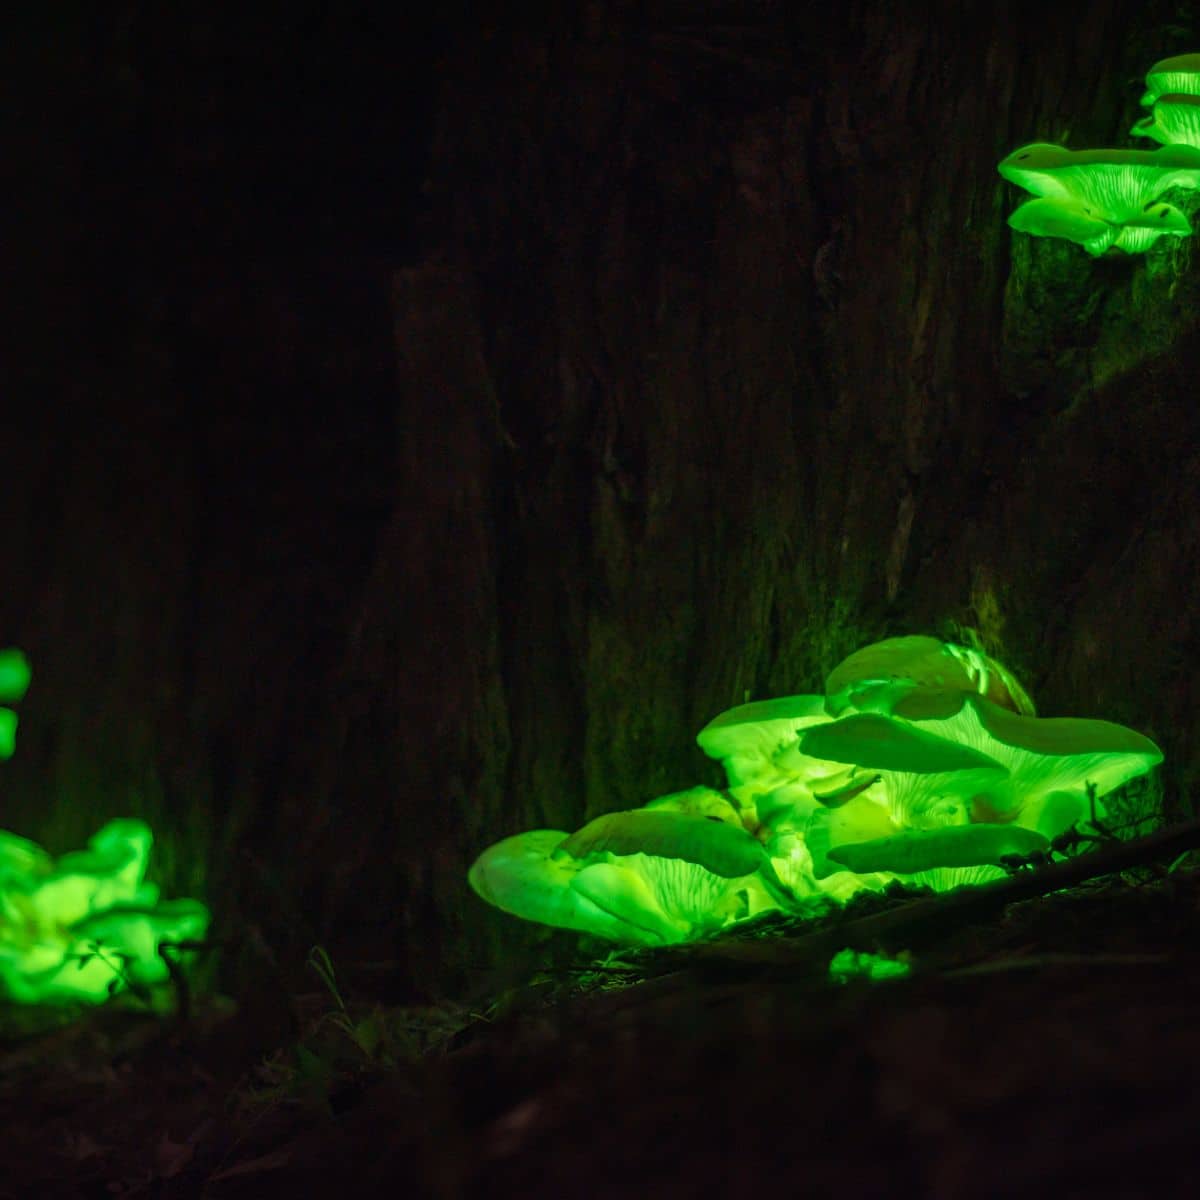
758, 745
1070, 219
14, 681
874, 677
699, 802
648, 877
1051, 761
927, 782
1116, 184
1174, 121
1177, 74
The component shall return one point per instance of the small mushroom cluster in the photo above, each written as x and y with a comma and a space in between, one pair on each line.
14, 680
1102, 199
923, 761
85, 926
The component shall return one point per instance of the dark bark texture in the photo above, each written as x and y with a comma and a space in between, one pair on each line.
426, 430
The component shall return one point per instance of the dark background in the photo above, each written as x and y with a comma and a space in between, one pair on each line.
417, 428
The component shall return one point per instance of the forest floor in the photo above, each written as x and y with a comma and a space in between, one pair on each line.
1053, 1048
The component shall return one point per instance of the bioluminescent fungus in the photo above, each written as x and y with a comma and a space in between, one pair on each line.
1173, 121
1051, 761
1071, 220
698, 802
14, 675
919, 850
927, 781
647, 877
860, 964
924, 763
88, 925
14, 682
758, 745
875, 676
1115, 184
1178, 74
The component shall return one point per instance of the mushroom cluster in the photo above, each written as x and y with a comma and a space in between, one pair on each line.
14, 680
83, 927
923, 761
1101, 199
1173, 96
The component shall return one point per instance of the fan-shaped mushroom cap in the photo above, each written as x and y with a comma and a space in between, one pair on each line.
712, 844
642, 876
758, 745
521, 876
874, 677
698, 802
1178, 74
1048, 758
927, 781
14, 675
1058, 217
1157, 220
1174, 121
746, 739
917, 850
1116, 184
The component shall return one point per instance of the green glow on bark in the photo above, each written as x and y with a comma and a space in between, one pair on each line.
858, 964
89, 925
923, 762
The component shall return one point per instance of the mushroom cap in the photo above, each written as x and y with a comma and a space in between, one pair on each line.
8, 732
722, 849
1177, 74
881, 744
520, 876
1161, 220
1115, 184
698, 802
14, 675
911, 851
925, 783
1044, 755
1174, 120
1059, 217
640, 877
873, 677
137, 931
746, 739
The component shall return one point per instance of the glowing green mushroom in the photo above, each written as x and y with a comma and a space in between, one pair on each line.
758, 744
1051, 760
1180, 73
928, 780
644, 877
1068, 219
14, 675
1174, 121
14, 681
1115, 185
918, 850
875, 676
1051, 217
698, 802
